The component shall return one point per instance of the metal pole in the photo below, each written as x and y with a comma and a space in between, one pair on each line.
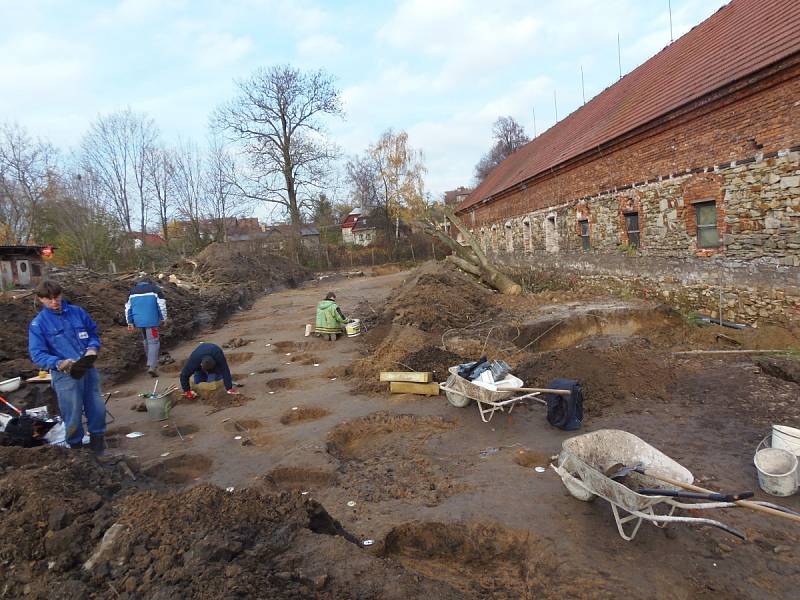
669, 7
555, 103
619, 57
583, 88
534, 123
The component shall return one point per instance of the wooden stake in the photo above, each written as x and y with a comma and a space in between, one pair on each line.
415, 377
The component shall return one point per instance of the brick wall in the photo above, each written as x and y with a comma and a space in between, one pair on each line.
740, 150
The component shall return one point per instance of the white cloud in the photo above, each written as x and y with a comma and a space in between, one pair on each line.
319, 47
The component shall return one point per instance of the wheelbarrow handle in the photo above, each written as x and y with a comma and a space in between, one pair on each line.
540, 390
744, 503
713, 496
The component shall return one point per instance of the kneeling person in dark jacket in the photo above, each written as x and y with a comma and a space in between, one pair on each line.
206, 364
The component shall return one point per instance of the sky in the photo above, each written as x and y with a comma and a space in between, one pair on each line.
442, 70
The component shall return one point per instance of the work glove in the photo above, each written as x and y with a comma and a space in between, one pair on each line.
189, 395
65, 365
91, 352
233, 392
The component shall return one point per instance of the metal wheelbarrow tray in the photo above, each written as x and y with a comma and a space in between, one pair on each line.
585, 459
460, 392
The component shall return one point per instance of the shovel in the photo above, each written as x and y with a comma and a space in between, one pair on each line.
777, 511
713, 496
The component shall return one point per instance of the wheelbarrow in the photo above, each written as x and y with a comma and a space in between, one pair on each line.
587, 463
504, 396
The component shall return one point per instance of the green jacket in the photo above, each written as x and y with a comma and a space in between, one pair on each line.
329, 317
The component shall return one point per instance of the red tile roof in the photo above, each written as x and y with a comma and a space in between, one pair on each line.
741, 38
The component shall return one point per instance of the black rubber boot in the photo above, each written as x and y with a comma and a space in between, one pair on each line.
77, 446
97, 443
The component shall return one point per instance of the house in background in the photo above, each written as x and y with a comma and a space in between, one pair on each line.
357, 229
455, 197
278, 234
23, 266
150, 240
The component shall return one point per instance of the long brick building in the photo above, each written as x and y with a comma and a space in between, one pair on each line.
681, 178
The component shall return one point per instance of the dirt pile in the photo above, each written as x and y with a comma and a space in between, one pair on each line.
625, 378
228, 277
246, 262
386, 355
438, 297
435, 359
72, 528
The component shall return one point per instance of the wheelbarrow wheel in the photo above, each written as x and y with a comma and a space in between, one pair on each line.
458, 400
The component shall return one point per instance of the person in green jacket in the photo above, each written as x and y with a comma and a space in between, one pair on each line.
329, 318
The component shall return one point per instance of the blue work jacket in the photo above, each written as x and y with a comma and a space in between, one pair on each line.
55, 336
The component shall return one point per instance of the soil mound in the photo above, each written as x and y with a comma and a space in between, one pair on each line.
388, 355
435, 359
237, 262
438, 297
625, 378
70, 529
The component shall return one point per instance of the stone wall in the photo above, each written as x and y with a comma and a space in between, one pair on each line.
735, 154
756, 265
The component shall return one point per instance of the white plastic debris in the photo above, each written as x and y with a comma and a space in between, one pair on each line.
351, 503
164, 454
237, 437
539, 469
294, 408
304, 493
271, 392
333, 378
252, 373
288, 354
316, 364
134, 434
229, 489
367, 542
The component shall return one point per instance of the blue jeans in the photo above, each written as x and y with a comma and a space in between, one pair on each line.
203, 377
78, 396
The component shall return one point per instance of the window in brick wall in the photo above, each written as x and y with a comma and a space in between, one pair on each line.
706, 215
585, 244
526, 234
632, 228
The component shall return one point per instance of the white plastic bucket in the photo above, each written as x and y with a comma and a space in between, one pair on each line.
786, 438
777, 471
353, 328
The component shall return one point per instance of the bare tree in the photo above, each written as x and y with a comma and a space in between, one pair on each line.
116, 149
188, 179
362, 176
277, 120
508, 136
159, 172
222, 177
26, 166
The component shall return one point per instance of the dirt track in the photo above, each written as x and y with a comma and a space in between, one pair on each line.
455, 502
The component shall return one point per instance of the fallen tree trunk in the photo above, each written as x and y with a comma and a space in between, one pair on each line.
472, 258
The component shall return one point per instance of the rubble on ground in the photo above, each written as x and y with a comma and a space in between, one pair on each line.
224, 278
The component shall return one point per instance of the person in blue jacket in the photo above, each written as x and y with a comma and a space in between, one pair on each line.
146, 309
206, 363
63, 339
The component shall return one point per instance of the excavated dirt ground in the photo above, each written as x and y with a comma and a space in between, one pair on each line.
340, 490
